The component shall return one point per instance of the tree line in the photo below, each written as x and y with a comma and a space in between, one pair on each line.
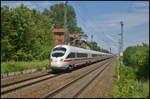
95, 47
26, 34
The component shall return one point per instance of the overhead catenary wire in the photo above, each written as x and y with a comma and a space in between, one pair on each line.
92, 28
108, 37
84, 21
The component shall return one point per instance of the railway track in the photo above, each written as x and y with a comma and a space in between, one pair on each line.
73, 88
19, 81
9, 87
5, 89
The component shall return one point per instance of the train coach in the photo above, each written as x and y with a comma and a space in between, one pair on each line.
65, 57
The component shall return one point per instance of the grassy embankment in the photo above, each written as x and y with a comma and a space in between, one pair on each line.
126, 85
12, 66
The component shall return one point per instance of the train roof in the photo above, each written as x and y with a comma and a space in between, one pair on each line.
80, 50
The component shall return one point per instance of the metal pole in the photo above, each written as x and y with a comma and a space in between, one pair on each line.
91, 38
121, 36
121, 44
65, 26
92, 41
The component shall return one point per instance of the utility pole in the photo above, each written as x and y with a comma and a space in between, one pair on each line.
91, 42
66, 34
121, 44
91, 38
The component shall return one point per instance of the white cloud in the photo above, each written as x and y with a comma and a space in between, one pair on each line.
136, 19
15, 4
42, 4
30, 4
141, 4
112, 21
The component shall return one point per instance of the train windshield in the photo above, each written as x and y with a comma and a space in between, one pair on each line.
58, 52
60, 49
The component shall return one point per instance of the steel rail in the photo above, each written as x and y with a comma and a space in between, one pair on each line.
82, 89
25, 85
19, 81
52, 93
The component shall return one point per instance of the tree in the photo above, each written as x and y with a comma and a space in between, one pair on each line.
95, 47
26, 34
138, 58
8, 34
84, 36
77, 30
57, 15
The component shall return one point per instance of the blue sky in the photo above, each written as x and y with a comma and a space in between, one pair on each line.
102, 19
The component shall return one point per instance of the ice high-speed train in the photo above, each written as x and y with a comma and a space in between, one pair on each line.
65, 57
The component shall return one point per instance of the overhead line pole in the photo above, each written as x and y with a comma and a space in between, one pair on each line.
66, 34
121, 44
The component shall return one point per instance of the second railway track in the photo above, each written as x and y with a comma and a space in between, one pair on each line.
9, 87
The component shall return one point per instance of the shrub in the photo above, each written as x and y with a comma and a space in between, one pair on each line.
127, 86
13, 66
138, 57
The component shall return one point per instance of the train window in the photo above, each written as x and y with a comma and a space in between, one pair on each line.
82, 55
58, 54
71, 55
94, 55
60, 49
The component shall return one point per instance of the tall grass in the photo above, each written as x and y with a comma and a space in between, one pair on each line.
12, 66
127, 86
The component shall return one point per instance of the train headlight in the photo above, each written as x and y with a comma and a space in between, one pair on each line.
61, 59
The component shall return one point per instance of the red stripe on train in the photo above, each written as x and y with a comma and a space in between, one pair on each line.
69, 60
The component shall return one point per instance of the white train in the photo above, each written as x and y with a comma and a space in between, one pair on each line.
65, 57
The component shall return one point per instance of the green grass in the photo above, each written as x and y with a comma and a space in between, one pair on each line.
13, 66
127, 85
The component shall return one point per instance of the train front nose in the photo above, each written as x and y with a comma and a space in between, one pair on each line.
57, 57
56, 62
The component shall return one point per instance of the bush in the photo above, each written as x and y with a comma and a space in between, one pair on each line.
13, 66
138, 57
134, 76
127, 86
